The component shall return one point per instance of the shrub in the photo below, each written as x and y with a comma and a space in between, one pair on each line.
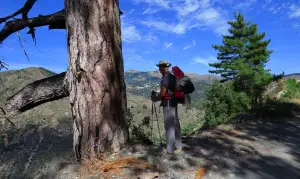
129, 118
221, 104
277, 108
138, 132
189, 128
144, 106
292, 89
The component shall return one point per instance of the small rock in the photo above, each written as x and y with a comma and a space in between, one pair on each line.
125, 153
144, 106
215, 167
148, 175
153, 160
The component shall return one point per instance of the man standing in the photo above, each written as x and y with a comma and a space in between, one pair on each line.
171, 121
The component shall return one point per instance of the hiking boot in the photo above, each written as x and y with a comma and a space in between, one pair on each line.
178, 151
166, 152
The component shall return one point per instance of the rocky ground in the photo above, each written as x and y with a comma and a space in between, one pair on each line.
251, 150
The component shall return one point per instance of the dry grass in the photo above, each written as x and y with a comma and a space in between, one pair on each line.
114, 168
200, 173
295, 101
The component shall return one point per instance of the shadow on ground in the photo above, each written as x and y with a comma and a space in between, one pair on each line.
37, 151
260, 149
252, 150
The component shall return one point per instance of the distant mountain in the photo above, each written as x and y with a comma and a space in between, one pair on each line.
142, 83
293, 75
14, 80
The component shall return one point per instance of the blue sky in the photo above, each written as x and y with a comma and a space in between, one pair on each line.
181, 31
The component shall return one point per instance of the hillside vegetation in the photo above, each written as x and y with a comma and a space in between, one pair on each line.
142, 83
49, 126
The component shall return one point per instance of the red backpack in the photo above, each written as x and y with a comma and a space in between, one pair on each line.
184, 85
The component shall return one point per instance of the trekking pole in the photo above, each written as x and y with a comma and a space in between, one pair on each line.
157, 123
152, 122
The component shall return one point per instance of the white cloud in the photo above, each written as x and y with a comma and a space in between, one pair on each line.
133, 60
151, 11
274, 10
294, 11
150, 37
167, 45
131, 11
131, 55
296, 26
208, 15
204, 61
213, 18
161, 3
190, 46
189, 7
161, 25
210, 18
134, 57
130, 34
245, 4
190, 14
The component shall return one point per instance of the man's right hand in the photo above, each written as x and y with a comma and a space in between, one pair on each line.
155, 97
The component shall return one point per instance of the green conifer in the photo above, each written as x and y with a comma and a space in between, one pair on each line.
242, 58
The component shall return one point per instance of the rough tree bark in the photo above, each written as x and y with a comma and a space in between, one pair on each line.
96, 76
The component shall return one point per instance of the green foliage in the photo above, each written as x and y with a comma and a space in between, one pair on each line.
129, 118
292, 89
138, 132
222, 104
276, 108
242, 58
144, 106
191, 127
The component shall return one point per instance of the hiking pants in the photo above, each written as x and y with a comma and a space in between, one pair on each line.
172, 129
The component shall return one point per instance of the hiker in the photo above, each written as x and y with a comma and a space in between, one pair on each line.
171, 121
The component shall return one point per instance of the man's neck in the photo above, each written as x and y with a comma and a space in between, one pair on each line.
167, 72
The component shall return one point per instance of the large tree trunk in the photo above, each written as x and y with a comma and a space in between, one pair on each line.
97, 94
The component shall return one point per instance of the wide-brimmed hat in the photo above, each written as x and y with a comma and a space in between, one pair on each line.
164, 63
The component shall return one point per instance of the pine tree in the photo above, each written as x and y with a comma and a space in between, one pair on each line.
242, 58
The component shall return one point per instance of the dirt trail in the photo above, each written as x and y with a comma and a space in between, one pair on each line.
254, 150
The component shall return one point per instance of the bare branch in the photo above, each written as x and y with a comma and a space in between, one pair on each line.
54, 21
19, 36
2, 64
36, 93
24, 11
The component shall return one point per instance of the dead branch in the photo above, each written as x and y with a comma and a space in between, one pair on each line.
36, 93
3, 64
19, 36
23, 10
54, 21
